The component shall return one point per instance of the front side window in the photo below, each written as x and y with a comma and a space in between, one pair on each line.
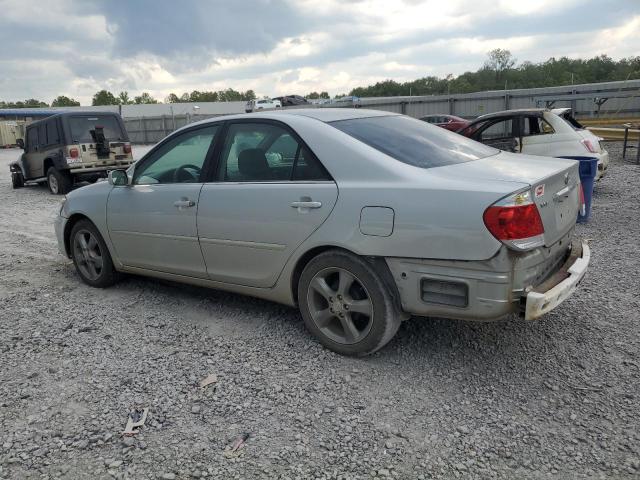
495, 129
261, 152
180, 160
414, 142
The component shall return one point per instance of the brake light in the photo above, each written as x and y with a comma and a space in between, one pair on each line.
74, 153
589, 146
516, 222
583, 205
126, 148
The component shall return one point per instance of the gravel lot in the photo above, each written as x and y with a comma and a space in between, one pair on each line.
557, 398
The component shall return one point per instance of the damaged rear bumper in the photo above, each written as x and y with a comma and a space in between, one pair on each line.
555, 290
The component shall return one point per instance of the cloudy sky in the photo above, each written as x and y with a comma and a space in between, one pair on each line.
76, 47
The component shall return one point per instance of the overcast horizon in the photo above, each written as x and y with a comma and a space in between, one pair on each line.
76, 48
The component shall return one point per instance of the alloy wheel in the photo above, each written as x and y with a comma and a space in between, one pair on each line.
53, 184
340, 305
87, 253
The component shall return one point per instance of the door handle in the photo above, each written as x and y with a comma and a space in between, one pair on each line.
306, 204
184, 203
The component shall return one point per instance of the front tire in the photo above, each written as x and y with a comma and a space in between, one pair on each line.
346, 305
59, 182
91, 256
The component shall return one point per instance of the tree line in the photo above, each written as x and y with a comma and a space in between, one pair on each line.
500, 71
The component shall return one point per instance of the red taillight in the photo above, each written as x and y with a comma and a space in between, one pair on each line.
74, 153
589, 146
583, 205
126, 148
514, 222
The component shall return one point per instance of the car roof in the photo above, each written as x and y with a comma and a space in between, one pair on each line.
518, 111
333, 114
322, 114
71, 114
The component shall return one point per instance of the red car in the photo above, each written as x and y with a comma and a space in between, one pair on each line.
450, 122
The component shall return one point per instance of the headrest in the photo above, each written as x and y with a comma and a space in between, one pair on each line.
252, 163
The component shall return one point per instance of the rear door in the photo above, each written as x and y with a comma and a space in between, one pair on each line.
34, 155
269, 194
152, 223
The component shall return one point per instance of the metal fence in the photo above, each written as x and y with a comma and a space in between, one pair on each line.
145, 130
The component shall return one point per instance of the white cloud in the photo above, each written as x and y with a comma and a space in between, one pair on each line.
281, 48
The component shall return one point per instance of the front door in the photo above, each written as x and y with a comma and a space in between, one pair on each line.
152, 223
499, 133
270, 194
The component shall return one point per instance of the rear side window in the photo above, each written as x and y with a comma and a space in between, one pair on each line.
261, 152
52, 133
576, 125
536, 126
414, 142
81, 127
32, 139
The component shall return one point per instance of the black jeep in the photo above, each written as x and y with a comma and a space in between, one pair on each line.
70, 147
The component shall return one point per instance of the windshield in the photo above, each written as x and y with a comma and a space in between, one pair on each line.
413, 141
81, 126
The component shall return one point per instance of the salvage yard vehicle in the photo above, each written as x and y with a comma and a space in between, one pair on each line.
450, 122
69, 147
538, 131
264, 104
360, 218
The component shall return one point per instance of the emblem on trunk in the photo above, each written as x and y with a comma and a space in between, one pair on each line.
566, 178
539, 190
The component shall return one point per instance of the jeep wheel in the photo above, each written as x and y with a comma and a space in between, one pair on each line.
17, 180
91, 256
59, 182
346, 305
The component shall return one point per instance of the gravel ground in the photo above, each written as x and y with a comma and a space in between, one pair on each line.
557, 398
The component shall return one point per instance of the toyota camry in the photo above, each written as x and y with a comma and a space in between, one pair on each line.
359, 218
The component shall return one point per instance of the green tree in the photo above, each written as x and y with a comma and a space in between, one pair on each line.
64, 101
124, 99
104, 97
172, 98
145, 98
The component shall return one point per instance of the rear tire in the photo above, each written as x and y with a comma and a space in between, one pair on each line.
346, 305
59, 182
91, 256
17, 180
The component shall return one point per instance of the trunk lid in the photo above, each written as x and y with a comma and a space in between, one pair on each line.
554, 185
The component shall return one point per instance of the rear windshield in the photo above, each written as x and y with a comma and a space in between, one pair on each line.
413, 141
81, 126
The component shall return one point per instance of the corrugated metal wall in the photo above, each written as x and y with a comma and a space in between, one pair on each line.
474, 104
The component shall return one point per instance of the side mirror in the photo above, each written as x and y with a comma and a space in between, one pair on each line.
20, 143
118, 178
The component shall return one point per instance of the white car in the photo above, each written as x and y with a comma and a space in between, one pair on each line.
539, 131
264, 104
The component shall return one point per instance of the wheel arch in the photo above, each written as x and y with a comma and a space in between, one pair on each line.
71, 222
46, 165
377, 263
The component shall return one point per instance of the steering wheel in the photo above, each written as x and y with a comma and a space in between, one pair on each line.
186, 173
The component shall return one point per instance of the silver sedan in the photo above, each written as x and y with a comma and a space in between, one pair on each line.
359, 218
